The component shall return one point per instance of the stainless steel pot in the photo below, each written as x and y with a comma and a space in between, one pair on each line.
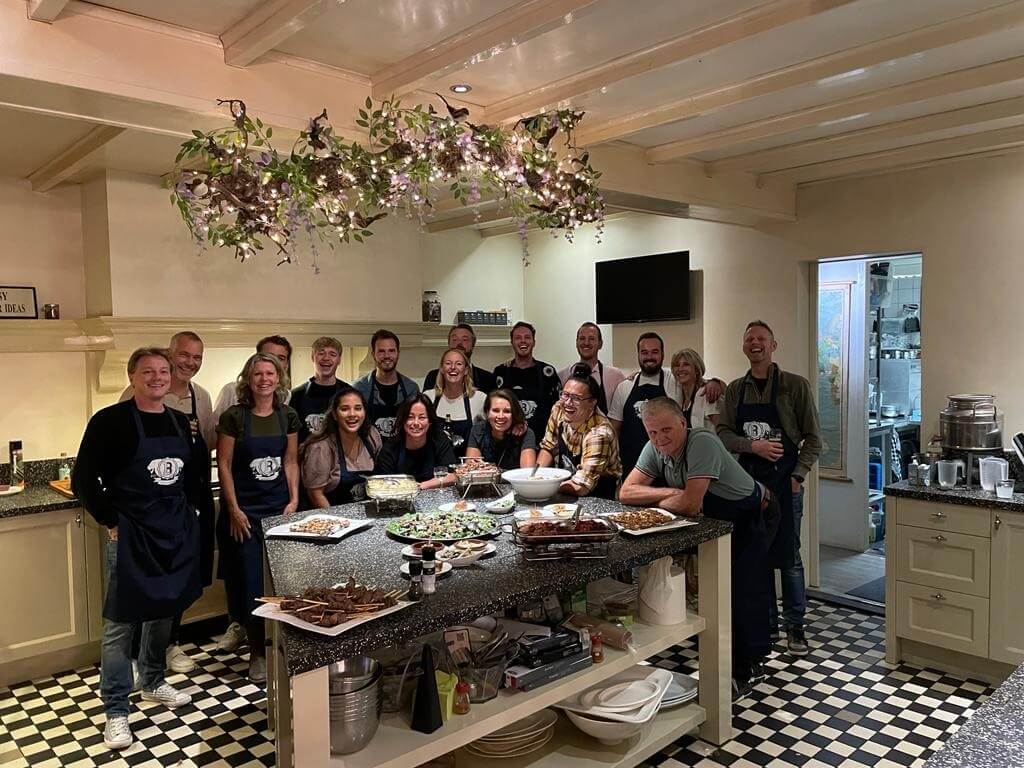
971, 423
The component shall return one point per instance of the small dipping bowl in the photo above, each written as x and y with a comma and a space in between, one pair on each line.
1004, 489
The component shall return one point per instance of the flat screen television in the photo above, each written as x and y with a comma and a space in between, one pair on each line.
643, 289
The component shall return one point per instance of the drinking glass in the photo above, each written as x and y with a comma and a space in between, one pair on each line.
440, 473
1004, 489
948, 471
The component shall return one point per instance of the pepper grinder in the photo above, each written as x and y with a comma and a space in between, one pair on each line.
17, 463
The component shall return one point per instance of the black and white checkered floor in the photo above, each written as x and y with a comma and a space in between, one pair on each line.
840, 706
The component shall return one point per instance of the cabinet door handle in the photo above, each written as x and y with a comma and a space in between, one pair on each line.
939, 515
78, 519
938, 596
997, 522
939, 538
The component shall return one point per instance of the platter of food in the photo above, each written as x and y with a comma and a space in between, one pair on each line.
443, 569
475, 471
318, 527
459, 554
392, 487
442, 526
641, 522
458, 506
550, 531
332, 610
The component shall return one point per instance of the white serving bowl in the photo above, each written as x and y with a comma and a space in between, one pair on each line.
605, 731
541, 486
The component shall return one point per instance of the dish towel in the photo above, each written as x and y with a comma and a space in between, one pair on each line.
896, 457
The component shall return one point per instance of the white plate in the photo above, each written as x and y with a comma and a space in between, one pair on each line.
531, 746
271, 611
535, 513
458, 506
441, 571
13, 490
284, 531
662, 677
630, 694
671, 523
560, 510
468, 559
545, 718
505, 504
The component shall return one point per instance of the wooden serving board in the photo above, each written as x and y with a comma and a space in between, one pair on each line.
63, 487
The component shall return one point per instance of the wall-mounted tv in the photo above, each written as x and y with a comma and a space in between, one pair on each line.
643, 289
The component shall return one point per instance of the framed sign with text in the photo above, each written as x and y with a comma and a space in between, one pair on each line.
18, 302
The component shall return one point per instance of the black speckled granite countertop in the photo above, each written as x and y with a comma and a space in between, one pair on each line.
994, 736
35, 498
491, 584
973, 497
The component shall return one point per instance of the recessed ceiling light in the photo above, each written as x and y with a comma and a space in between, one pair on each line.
461, 88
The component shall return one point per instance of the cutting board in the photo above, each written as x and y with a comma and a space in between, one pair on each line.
63, 487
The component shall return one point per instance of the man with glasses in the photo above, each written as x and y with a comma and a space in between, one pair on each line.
581, 439
588, 343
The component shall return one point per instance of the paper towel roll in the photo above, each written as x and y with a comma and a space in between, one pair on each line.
662, 591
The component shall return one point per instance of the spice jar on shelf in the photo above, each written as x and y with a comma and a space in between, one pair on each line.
596, 646
461, 704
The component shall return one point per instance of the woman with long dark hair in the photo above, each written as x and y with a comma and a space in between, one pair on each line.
337, 457
257, 464
419, 446
494, 439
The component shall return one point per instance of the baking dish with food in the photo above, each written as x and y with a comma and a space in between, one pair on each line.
587, 530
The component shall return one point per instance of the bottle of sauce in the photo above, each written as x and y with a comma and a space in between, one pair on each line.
429, 571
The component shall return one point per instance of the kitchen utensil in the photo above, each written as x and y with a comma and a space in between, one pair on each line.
1004, 489
949, 470
992, 469
351, 674
971, 423
536, 484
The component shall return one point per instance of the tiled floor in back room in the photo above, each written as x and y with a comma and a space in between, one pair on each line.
840, 706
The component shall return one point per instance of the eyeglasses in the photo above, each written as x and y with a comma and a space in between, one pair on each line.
568, 397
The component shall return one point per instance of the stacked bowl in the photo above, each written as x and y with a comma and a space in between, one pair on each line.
355, 703
620, 707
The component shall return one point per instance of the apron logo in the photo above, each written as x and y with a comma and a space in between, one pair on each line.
756, 430
314, 421
266, 468
165, 471
566, 463
385, 425
638, 407
548, 371
529, 408
498, 382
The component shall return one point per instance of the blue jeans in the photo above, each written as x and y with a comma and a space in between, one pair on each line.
794, 588
115, 650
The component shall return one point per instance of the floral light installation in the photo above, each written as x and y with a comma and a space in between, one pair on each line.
235, 190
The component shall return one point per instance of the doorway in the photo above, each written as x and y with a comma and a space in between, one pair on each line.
869, 402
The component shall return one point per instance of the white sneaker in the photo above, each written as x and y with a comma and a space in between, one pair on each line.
167, 695
136, 677
179, 661
117, 734
232, 639
257, 669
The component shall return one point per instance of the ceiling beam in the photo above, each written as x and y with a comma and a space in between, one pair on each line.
874, 162
866, 139
517, 24
832, 65
268, 25
497, 213
762, 18
844, 109
45, 10
72, 159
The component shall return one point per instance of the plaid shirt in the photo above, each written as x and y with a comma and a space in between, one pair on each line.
594, 441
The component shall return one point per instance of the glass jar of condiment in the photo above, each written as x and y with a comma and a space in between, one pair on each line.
596, 646
460, 706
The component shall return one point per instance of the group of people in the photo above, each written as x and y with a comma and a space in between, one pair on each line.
668, 437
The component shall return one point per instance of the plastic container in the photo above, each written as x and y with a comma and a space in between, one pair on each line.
875, 475
483, 681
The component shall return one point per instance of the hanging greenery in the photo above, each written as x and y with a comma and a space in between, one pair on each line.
235, 190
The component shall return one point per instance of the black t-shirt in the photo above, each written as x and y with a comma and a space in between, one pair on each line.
538, 389
108, 447
761, 384
482, 380
419, 463
388, 392
311, 401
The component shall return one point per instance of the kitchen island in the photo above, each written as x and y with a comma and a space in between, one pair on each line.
298, 660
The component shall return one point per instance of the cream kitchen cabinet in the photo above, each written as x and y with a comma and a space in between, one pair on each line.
1007, 603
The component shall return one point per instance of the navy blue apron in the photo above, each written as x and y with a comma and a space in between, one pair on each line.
380, 414
261, 488
755, 421
511, 447
157, 571
632, 434
207, 508
312, 409
602, 399
606, 484
534, 401
352, 484
458, 431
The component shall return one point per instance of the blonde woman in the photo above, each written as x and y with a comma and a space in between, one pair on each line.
456, 402
257, 462
688, 370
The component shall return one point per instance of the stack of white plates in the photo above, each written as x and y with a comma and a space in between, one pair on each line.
521, 738
619, 708
682, 689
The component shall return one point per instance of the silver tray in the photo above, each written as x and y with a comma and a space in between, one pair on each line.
379, 494
568, 537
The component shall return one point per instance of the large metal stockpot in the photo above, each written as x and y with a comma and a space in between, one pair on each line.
971, 423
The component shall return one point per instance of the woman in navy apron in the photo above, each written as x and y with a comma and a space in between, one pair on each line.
455, 384
344, 447
494, 440
259, 478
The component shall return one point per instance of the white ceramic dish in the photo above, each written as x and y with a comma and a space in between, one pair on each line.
532, 745
458, 506
681, 690
271, 611
630, 694
561, 510
12, 490
541, 486
443, 568
284, 530
604, 731
672, 523
459, 562
583, 703
505, 504
538, 721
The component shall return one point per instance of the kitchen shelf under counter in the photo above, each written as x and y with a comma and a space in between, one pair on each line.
298, 660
